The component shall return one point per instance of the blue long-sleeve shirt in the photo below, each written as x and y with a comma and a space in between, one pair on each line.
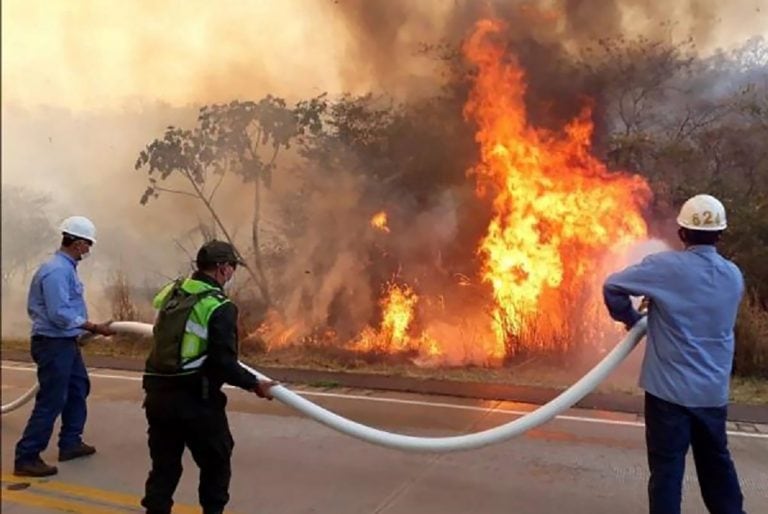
695, 296
55, 303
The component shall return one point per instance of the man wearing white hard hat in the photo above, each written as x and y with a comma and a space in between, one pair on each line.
694, 298
59, 316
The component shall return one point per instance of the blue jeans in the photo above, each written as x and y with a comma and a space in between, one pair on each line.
64, 387
669, 430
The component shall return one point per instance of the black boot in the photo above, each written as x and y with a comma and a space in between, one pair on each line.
75, 453
36, 468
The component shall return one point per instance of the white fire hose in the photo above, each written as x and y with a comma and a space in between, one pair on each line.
21, 400
546, 412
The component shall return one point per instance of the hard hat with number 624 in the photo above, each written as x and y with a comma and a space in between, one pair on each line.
702, 212
79, 226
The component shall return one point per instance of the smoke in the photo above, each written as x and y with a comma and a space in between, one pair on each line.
611, 332
100, 55
86, 87
82, 164
326, 264
334, 264
386, 30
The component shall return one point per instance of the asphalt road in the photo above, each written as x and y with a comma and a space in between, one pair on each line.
585, 462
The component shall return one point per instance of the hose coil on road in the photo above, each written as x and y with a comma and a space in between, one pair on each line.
533, 419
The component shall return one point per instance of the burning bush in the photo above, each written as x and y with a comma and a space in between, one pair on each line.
552, 213
476, 226
556, 208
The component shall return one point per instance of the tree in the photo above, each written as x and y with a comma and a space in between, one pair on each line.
243, 139
26, 228
698, 127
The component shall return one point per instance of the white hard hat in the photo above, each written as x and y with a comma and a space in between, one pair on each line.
79, 226
702, 212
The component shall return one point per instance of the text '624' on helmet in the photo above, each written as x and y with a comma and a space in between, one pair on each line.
79, 226
702, 212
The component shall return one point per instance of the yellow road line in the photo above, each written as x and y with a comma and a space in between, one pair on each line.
91, 493
59, 504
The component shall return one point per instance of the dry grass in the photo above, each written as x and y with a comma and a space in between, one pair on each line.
751, 358
120, 346
751, 386
749, 390
532, 373
123, 306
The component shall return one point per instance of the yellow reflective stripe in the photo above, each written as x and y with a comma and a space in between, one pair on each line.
190, 346
197, 326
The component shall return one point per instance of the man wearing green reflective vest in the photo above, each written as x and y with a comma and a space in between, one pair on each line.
194, 353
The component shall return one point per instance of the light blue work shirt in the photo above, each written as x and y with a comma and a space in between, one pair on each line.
695, 296
55, 303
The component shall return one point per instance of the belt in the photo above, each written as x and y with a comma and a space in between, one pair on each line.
39, 337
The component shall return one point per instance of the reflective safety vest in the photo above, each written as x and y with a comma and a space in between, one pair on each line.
181, 330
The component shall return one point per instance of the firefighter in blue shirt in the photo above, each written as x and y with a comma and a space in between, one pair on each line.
59, 316
694, 296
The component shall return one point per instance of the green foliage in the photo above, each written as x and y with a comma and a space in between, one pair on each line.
241, 138
702, 127
228, 137
727, 158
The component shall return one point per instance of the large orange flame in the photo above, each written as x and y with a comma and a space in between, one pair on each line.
557, 213
556, 208
398, 314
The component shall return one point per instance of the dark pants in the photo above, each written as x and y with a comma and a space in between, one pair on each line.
669, 430
64, 387
208, 438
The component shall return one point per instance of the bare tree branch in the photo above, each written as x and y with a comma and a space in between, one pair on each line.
218, 183
175, 191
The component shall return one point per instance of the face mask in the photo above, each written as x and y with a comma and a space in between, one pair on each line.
87, 253
228, 283
222, 278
